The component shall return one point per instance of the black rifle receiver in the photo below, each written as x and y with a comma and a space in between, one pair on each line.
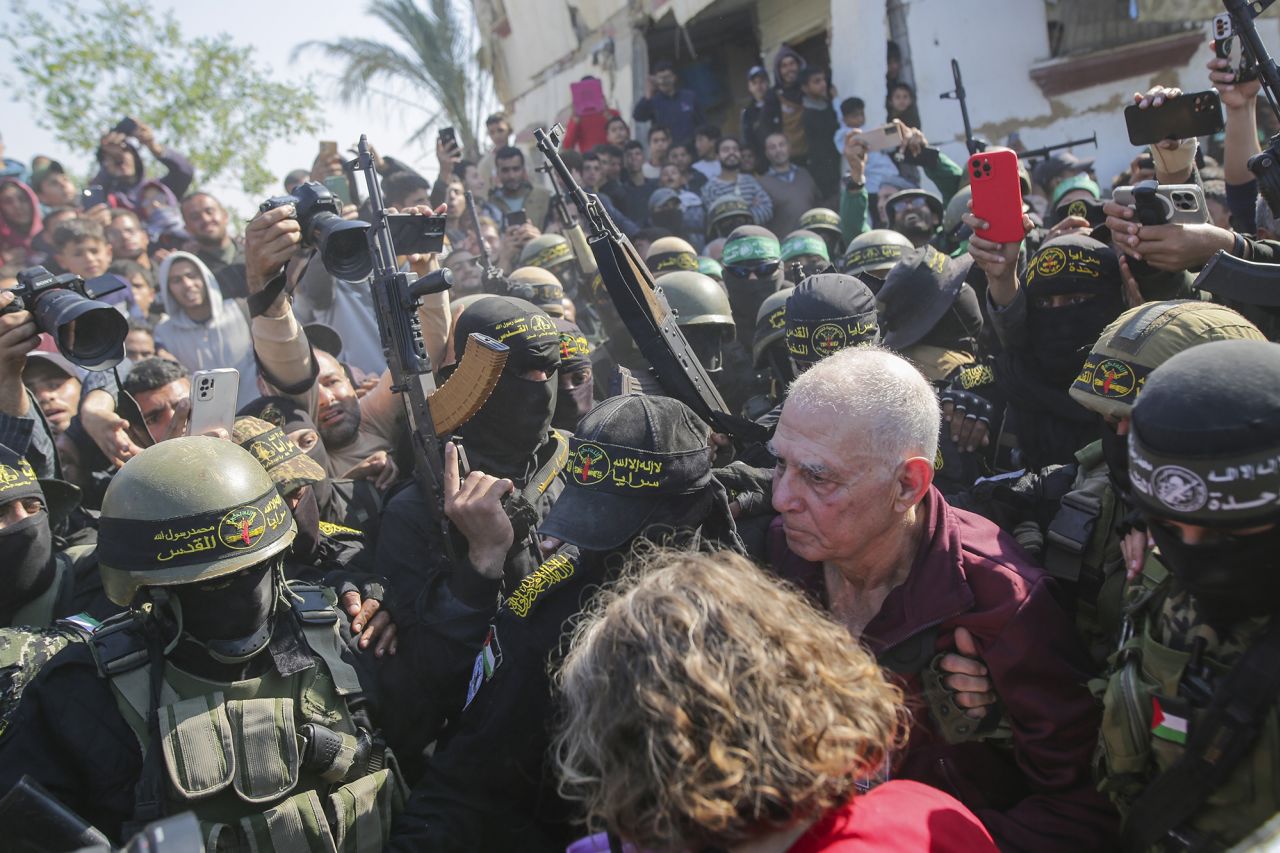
395, 300
974, 144
643, 308
1266, 164
557, 198
1049, 149
491, 278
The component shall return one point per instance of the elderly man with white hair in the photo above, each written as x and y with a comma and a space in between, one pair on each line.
862, 528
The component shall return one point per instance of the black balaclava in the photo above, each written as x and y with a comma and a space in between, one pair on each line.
575, 354
26, 548
307, 517
749, 246
1058, 337
26, 553
1203, 442
513, 422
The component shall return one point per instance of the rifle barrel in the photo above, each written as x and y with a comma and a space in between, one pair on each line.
1049, 149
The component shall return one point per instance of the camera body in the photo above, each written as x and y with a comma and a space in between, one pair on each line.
343, 244
89, 333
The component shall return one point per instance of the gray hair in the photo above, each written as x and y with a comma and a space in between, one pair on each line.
891, 405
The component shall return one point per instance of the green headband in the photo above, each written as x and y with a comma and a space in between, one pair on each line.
802, 244
751, 249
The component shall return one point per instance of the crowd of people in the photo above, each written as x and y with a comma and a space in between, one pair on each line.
992, 568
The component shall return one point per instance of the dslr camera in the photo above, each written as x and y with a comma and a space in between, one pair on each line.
342, 243
88, 332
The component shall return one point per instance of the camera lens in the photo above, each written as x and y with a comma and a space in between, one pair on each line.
343, 245
89, 333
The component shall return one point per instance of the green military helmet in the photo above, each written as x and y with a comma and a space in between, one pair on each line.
875, 253
547, 251
669, 254
726, 213
771, 324
188, 510
1143, 338
711, 267
539, 286
955, 209
824, 222
697, 299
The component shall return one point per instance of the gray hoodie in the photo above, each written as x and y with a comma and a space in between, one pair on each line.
223, 340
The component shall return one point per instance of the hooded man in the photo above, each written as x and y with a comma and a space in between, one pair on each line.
204, 330
121, 170
640, 467
20, 220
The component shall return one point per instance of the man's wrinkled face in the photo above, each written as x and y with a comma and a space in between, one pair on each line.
730, 155
778, 150
913, 218
58, 190
758, 86
835, 498
127, 237
337, 408
157, 406
205, 219
16, 207
788, 70
671, 177
511, 174
56, 393
139, 344
87, 258
186, 285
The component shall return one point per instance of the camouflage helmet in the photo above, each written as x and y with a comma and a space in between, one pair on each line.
875, 252
539, 286
697, 299
955, 209
727, 207
547, 251
771, 324
185, 511
821, 220
668, 254
1143, 338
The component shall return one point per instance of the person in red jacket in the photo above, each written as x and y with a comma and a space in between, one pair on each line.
862, 529
707, 706
588, 127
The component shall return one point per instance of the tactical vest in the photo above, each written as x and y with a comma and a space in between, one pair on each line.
1147, 720
35, 637
269, 763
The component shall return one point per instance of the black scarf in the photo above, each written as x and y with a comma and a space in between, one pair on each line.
26, 553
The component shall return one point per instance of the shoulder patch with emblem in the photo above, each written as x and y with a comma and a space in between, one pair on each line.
338, 531
487, 662
977, 376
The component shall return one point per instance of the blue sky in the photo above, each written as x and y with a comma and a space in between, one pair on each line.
274, 27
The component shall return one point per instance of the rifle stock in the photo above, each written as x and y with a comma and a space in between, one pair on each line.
1237, 280
395, 298
643, 308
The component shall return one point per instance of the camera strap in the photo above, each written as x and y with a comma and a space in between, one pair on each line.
259, 302
128, 408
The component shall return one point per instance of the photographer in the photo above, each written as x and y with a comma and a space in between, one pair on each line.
121, 171
22, 426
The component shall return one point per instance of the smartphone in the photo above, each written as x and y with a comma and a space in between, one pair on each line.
882, 138
328, 148
127, 126
997, 194
415, 234
514, 219
1227, 46
92, 196
448, 138
213, 399
1190, 114
1157, 204
337, 184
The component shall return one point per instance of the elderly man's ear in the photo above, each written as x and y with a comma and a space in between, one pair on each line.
914, 478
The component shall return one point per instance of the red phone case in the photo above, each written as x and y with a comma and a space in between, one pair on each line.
997, 194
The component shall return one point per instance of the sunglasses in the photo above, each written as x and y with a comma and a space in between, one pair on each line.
763, 270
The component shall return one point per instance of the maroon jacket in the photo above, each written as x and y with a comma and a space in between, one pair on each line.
1037, 794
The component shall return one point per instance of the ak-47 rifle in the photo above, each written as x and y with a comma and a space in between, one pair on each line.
1265, 164
974, 144
642, 306
1049, 149
557, 198
491, 278
432, 412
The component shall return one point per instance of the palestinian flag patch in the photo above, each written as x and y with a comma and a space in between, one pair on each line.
487, 662
1166, 723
